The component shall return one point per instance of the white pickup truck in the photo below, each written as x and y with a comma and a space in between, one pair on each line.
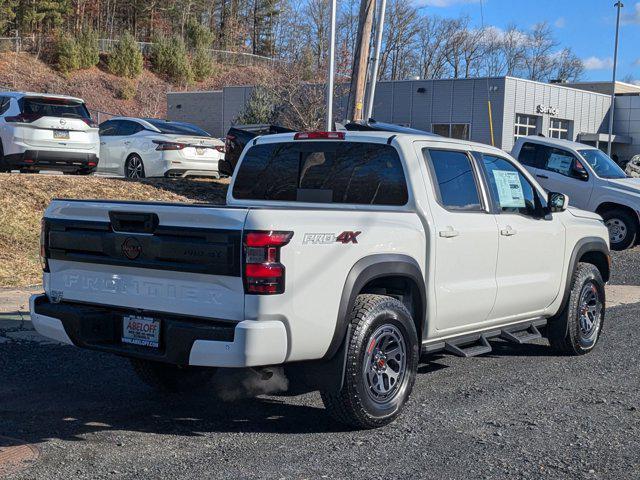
343, 256
591, 179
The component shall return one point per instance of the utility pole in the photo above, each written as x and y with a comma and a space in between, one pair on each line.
376, 60
360, 61
619, 5
332, 67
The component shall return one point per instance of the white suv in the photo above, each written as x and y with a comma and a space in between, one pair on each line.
46, 132
591, 179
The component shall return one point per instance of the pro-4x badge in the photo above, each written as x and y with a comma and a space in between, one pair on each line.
329, 238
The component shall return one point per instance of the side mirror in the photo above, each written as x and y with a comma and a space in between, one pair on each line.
224, 168
558, 202
579, 172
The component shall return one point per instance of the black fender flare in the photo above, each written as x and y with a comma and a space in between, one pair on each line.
364, 271
584, 245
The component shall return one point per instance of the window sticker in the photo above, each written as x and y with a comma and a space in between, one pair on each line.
510, 193
559, 163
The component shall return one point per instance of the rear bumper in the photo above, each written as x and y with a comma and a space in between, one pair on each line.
183, 341
181, 173
52, 160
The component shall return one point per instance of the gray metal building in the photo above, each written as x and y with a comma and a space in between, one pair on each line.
459, 108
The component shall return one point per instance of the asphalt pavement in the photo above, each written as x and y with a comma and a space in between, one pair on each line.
520, 412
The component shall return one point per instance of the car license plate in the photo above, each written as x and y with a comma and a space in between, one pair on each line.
61, 134
143, 331
200, 151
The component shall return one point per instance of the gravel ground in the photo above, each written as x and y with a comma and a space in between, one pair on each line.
521, 412
625, 268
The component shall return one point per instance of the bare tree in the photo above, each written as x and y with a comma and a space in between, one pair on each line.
433, 33
399, 40
538, 61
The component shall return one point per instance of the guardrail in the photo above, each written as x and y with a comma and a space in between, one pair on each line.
106, 45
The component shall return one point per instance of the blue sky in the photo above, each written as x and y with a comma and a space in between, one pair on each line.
587, 26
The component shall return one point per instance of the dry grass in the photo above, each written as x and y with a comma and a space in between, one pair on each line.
23, 199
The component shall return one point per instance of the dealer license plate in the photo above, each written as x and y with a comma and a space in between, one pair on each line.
142, 331
61, 134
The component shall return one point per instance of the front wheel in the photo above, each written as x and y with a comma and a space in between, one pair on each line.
623, 228
169, 378
382, 360
133, 167
576, 330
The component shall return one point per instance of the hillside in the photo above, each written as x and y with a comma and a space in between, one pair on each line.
23, 199
100, 89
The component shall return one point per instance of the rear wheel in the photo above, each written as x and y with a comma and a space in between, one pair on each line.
623, 228
171, 378
382, 360
576, 330
133, 167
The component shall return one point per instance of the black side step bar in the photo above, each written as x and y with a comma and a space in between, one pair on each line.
471, 345
521, 336
480, 347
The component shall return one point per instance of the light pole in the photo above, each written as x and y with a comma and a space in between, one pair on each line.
619, 5
332, 67
376, 60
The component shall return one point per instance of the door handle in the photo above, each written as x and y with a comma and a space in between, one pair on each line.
508, 231
127, 143
449, 233
103, 143
542, 176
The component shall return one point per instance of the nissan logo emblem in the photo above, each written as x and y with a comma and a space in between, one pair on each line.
131, 248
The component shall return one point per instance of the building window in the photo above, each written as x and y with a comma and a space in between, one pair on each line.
559, 128
461, 131
526, 125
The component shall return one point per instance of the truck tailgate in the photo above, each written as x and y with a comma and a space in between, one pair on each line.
181, 259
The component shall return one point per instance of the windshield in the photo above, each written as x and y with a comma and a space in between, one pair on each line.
177, 128
602, 164
53, 107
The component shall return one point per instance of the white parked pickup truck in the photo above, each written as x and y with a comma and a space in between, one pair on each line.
591, 179
343, 256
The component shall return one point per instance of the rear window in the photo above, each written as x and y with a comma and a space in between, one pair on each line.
53, 107
326, 172
177, 128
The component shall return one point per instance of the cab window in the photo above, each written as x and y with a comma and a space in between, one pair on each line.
454, 180
510, 190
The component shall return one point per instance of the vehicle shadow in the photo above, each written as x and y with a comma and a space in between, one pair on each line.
54, 391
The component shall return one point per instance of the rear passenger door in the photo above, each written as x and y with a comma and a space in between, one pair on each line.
466, 241
531, 244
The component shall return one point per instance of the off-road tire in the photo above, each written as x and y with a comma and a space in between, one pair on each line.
630, 223
169, 378
352, 405
563, 330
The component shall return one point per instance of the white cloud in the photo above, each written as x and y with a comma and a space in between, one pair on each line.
595, 63
636, 63
442, 3
560, 22
633, 16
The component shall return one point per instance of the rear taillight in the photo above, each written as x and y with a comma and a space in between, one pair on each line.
168, 145
221, 148
319, 136
90, 122
23, 118
263, 272
44, 243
